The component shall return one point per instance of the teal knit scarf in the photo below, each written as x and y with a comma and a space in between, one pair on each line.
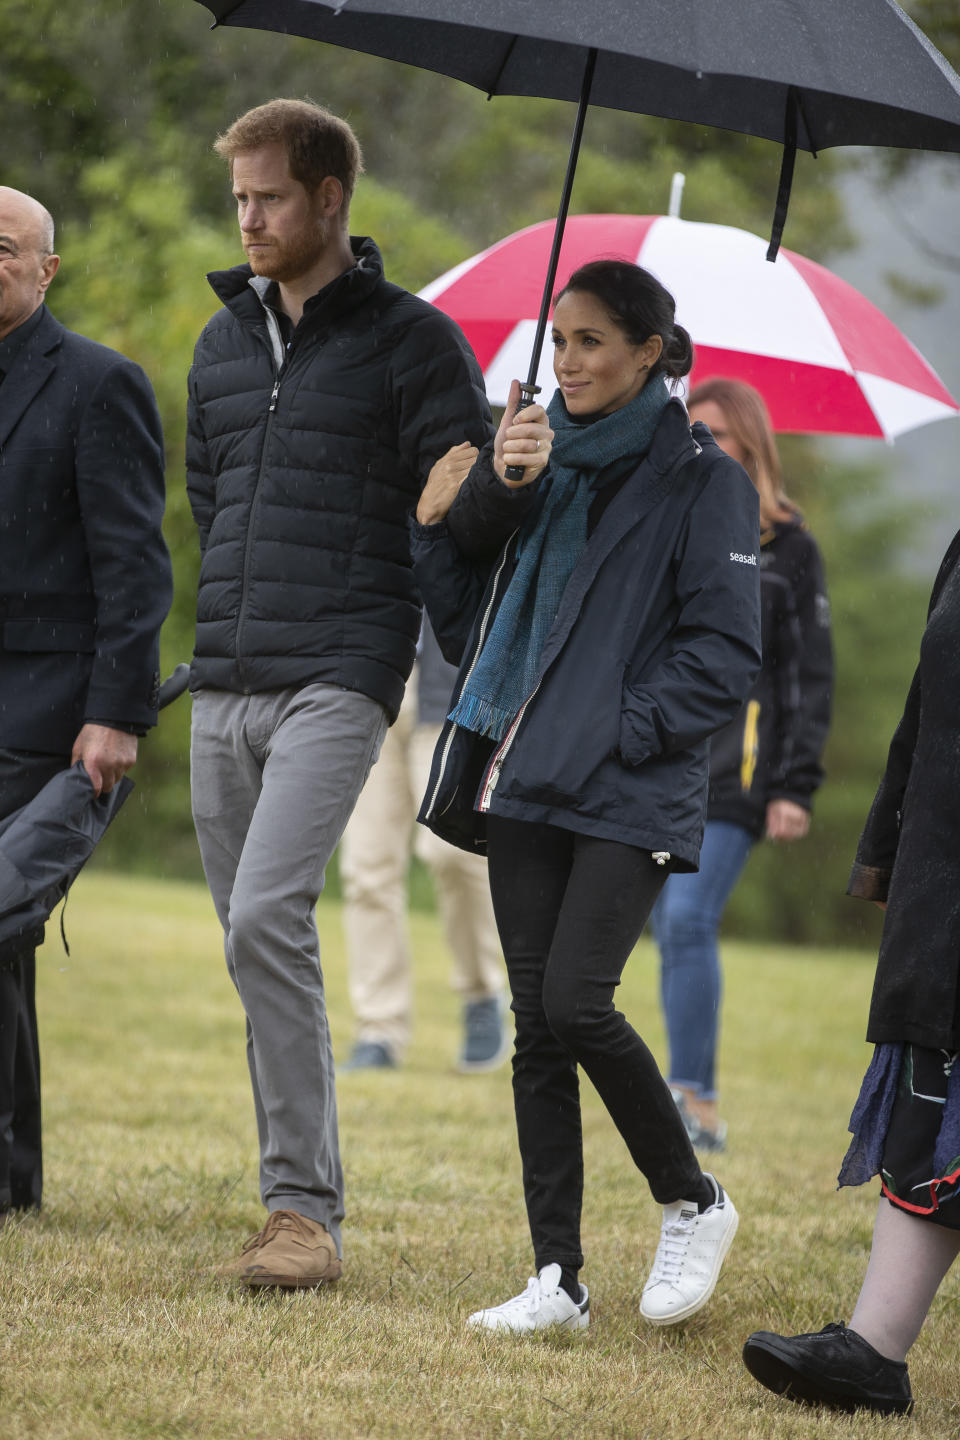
550, 543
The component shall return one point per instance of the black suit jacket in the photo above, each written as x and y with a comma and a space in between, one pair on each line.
85, 579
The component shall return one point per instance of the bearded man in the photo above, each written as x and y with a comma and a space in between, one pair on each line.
320, 397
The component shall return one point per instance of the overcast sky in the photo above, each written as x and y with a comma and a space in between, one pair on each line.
924, 462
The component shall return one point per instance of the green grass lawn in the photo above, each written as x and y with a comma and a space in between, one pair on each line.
112, 1324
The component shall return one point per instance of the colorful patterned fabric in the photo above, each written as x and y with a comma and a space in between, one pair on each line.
912, 1123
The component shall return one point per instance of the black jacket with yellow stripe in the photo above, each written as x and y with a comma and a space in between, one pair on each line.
772, 749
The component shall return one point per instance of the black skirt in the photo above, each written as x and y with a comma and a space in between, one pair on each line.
909, 1178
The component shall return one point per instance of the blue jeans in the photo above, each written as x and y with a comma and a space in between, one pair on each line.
685, 921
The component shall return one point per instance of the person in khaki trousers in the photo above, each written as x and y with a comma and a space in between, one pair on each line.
374, 860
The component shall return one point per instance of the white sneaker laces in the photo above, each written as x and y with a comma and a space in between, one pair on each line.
528, 1302
675, 1236
531, 1298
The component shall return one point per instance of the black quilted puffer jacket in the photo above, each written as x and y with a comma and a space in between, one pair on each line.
305, 455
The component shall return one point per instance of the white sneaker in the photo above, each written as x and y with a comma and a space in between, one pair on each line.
688, 1258
541, 1305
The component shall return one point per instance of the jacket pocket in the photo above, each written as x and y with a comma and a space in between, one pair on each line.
77, 637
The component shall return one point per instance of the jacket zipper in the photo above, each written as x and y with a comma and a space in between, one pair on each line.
492, 773
279, 358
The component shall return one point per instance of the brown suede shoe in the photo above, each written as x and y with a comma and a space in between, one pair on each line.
234, 1268
294, 1253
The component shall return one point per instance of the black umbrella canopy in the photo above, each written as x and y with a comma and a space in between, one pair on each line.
807, 74
852, 72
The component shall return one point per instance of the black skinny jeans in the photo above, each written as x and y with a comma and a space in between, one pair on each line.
569, 910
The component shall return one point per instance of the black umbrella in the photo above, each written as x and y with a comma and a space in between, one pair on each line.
808, 74
45, 844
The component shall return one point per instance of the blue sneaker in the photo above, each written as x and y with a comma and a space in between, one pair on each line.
370, 1055
701, 1136
487, 1039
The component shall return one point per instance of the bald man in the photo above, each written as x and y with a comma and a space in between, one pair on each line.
85, 584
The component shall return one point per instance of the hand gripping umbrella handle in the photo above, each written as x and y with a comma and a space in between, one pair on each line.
528, 392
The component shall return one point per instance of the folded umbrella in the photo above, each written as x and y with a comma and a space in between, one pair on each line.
45, 844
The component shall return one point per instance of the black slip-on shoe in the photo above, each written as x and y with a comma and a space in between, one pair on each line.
835, 1367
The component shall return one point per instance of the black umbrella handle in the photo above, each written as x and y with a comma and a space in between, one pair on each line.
174, 685
528, 393
531, 388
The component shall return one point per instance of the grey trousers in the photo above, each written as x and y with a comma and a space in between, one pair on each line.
274, 777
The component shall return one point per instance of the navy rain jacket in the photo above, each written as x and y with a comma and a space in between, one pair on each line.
655, 645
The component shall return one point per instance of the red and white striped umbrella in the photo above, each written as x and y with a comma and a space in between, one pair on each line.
825, 359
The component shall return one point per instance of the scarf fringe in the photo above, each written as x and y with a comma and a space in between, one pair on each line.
481, 716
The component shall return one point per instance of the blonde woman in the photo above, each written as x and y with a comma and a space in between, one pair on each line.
764, 765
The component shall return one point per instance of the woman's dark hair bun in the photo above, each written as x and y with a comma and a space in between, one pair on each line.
640, 305
677, 358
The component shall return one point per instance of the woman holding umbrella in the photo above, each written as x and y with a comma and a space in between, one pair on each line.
605, 610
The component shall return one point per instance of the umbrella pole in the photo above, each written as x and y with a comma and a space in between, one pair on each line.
529, 388
786, 174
